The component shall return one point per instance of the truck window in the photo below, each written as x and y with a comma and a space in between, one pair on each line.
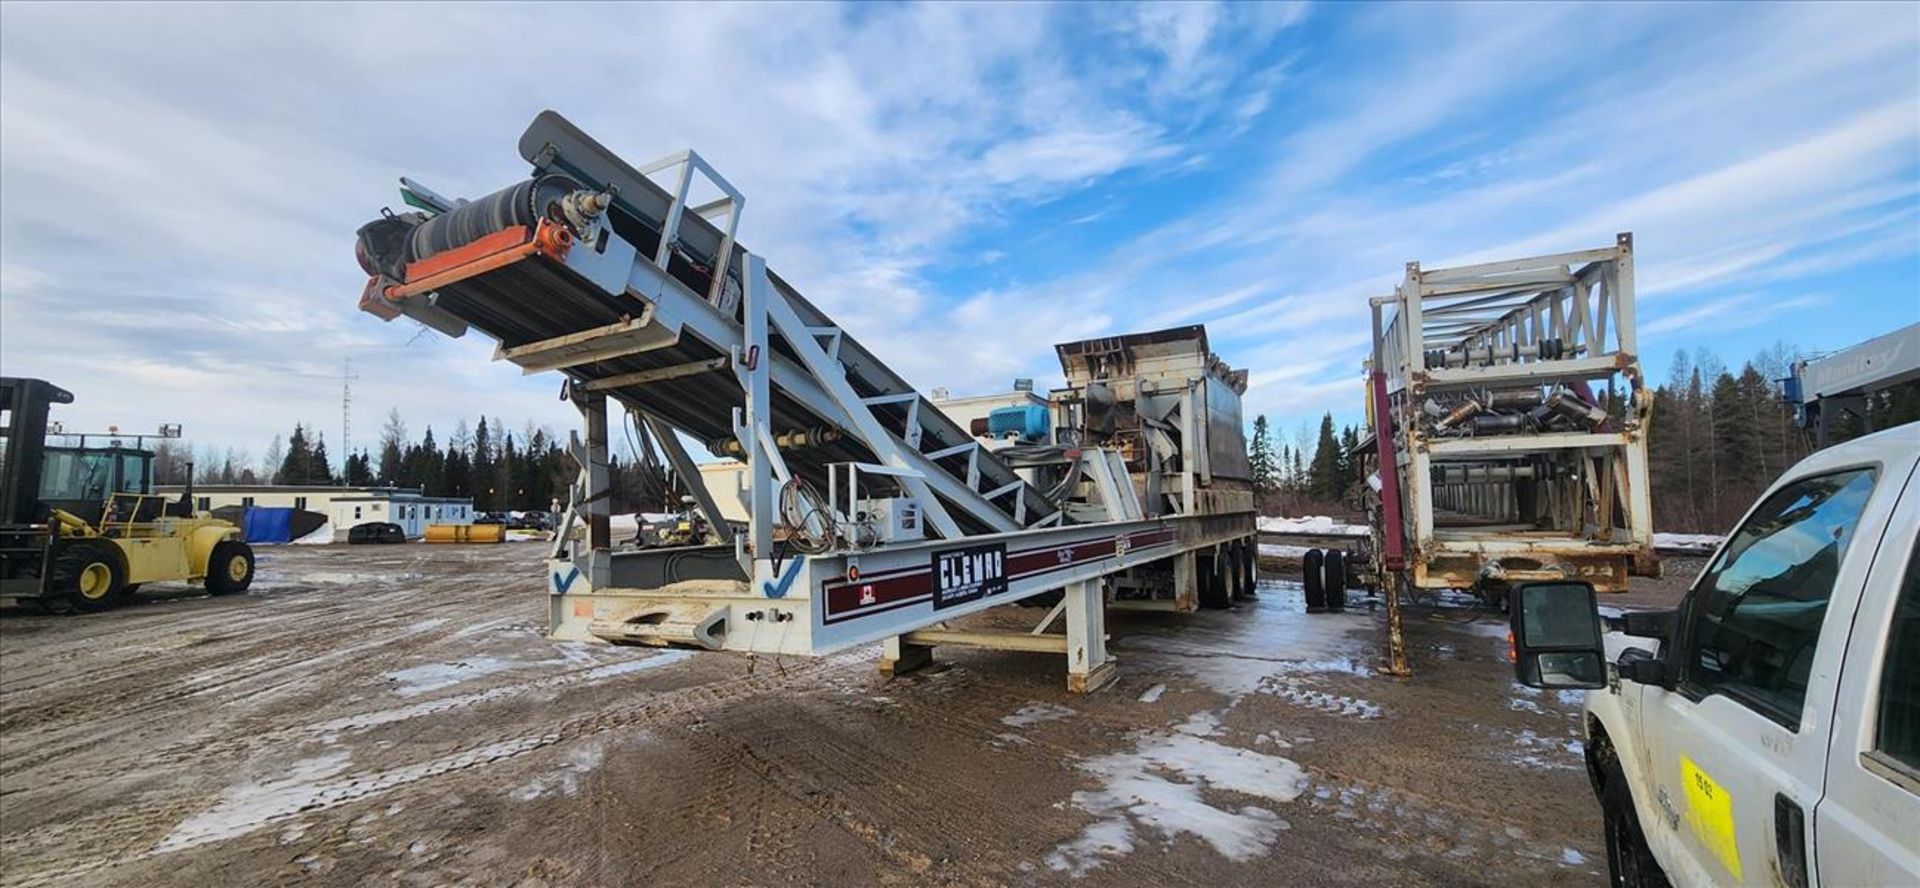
1898, 734
1756, 615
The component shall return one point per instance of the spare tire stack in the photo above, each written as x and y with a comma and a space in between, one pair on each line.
1323, 574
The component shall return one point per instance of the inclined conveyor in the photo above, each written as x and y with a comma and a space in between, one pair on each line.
612, 276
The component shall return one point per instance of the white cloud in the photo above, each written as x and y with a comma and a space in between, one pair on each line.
179, 186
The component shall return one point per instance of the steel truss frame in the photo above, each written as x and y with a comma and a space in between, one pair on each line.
1563, 319
757, 595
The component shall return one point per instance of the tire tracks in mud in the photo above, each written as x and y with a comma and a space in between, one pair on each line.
1447, 830
109, 707
110, 833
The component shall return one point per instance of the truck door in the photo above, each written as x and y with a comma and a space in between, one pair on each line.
1737, 749
1866, 824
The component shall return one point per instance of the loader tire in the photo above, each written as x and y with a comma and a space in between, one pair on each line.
230, 568
88, 575
1313, 579
1335, 569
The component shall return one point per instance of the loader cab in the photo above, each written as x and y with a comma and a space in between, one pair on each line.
80, 479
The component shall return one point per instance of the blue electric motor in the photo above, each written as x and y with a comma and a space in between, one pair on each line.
1027, 423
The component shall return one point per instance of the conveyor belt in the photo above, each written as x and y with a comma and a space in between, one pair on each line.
535, 296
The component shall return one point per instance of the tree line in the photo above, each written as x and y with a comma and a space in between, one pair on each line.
1719, 437
1307, 475
497, 469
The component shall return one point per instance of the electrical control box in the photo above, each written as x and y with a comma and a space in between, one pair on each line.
892, 519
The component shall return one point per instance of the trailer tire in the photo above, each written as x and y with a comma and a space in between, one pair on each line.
229, 568
1335, 568
1213, 583
1250, 569
88, 575
1313, 580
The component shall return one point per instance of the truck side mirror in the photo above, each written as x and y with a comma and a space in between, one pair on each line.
1556, 636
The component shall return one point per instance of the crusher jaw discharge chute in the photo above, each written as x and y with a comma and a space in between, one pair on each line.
869, 514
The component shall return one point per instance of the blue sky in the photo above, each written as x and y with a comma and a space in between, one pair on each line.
961, 185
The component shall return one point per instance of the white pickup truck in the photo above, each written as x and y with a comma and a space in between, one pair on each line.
1767, 731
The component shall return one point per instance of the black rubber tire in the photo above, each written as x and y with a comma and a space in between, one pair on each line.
1213, 582
87, 575
1313, 580
224, 573
1335, 570
1249, 571
1630, 862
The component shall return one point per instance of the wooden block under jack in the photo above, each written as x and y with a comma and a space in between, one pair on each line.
900, 659
1086, 683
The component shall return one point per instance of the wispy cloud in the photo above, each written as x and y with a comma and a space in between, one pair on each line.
1259, 168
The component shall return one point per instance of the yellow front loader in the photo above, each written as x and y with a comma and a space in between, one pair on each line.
93, 567
81, 529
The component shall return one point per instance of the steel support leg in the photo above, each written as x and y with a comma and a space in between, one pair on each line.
1393, 582
1186, 582
1088, 666
598, 505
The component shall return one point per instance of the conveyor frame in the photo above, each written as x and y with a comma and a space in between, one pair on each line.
650, 306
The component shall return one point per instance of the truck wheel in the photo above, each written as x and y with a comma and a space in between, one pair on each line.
87, 576
1313, 578
1213, 583
1249, 571
230, 568
1630, 862
1335, 568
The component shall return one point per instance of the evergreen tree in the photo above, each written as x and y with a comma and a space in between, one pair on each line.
393, 438
1323, 477
484, 471
320, 470
359, 470
1733, 450
457, 475
297, 467
1261, 458
1348, 467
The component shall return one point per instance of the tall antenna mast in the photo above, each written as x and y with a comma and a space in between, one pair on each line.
347, 377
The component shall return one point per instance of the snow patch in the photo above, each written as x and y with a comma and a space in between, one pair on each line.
1137, 793
1275, 550
1314, 524
1153, 694
245, 807
321, 536
565, 780
329, 729
1036, 713
1540, 752
1201, 724
416, 680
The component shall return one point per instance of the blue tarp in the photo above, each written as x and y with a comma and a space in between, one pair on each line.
268, 525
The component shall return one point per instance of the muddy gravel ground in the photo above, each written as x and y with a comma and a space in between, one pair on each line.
393, 715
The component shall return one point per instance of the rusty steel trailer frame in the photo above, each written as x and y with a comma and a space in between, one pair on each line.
642, 299
1468, 497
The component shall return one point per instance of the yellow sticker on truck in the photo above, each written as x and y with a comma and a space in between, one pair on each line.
1710, 815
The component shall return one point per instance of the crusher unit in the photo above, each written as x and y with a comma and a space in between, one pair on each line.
871, 516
